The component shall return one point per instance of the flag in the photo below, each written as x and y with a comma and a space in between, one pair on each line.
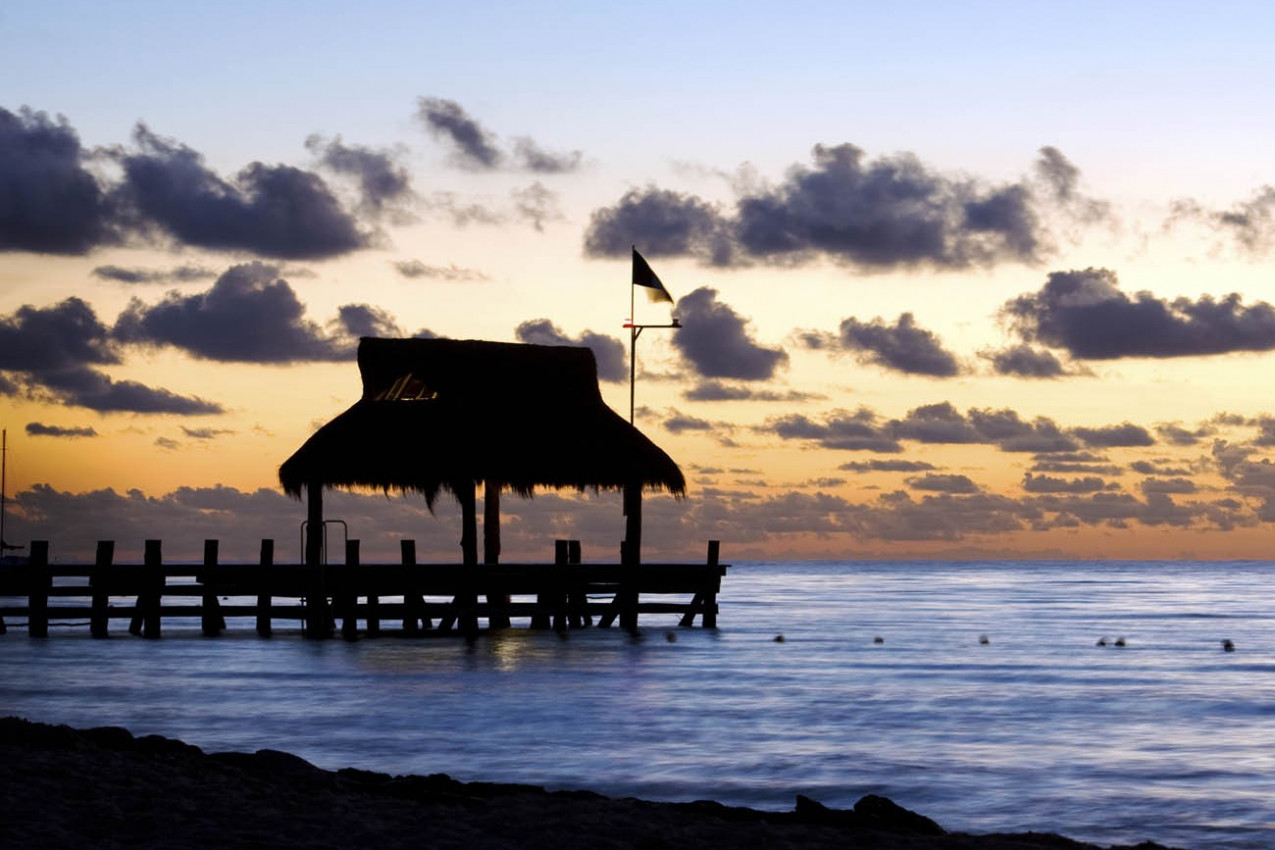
643, 276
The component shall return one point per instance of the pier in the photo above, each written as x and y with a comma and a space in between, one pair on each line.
352, 599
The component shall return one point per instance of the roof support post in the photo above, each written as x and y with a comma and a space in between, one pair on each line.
314, 524
497, 602
466, 602
631, 556
318, 623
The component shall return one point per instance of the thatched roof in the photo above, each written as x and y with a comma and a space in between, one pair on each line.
435, 412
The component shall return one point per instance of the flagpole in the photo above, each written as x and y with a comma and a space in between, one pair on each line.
635, 330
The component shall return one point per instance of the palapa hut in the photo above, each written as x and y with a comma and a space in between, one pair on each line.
443, 414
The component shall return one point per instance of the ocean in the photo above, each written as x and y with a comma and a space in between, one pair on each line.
882, 684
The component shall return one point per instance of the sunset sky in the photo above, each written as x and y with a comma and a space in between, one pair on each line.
956, 280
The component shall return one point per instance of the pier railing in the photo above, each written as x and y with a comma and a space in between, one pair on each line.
406, 598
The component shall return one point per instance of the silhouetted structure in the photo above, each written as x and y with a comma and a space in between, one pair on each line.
442, 414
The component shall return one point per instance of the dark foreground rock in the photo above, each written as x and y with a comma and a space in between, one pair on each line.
105, 788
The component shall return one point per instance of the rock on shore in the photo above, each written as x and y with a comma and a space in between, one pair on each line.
105, 788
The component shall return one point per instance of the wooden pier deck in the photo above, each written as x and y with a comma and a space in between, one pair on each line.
404, 598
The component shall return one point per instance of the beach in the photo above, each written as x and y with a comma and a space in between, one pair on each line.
104, 787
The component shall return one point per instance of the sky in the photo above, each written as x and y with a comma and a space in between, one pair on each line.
979, 280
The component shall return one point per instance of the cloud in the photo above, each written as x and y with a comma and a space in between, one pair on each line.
272, 210
384, 184
1160, 467
1023, 361
680, 422
607, 351
1050, 484
715, 341
462, 213
936, 423
1111, 436
417, 269
177, 274
885, 465
903, 347
1167, 485
248, 316
1250, 222
1086, 314
661, 223
360, 320
941, 483
536, 205
888, 213
473, 147
532, 157
49, 202
206, 433
719, 391
841, 430
476, 148
37, 429
1075, 462
50, 353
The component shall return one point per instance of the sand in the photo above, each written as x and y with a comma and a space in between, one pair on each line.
105, 788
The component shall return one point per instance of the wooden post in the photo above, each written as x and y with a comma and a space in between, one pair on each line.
709, 618
150, 601
318, 622
98, 618
210, 621
497, 602
38, 601
414, 617
631, 556
347, 599
373, 597
467, 601
577, 598
558, 586
264, 601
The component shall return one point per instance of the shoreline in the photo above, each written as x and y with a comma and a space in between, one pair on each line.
66, 788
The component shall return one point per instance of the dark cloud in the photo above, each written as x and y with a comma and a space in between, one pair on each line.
49, 202
941, 483
1167, 485
1176, 435
890, 212
50, 353
1250, 222
536, 205
1160, 467
415, 269
360, 320
1063, 180
608, 351
271, 210
661, 223
880, 465
476, 148
463, 213
1081, 463
1008, 432
532, 157
37, 429
680, 422
249, 316
1266, 430
936, 423
384, 183
1111, 436
903, 347
1050, 484
715, 341
177, 274
473, 147
719, 391
1023, 361
1086, 314
841, 429
206, 433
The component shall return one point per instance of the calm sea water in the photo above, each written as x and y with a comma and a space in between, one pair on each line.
1167, 738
